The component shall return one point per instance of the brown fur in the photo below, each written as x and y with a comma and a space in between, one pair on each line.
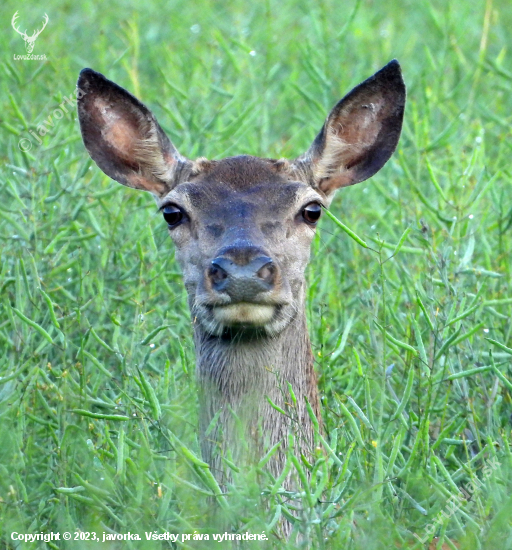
240, 212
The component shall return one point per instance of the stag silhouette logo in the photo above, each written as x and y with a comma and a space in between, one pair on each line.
29, 40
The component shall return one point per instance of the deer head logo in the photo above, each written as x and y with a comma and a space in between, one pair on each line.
29, 40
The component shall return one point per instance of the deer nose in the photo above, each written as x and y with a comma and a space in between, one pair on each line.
242, 282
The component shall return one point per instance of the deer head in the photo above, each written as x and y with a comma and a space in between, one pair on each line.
29, 40
242, 226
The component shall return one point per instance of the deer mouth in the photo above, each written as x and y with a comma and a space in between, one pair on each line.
242, 318
259, 318
244, 314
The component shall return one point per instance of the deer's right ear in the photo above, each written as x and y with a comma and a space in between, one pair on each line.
359, 135
124, 138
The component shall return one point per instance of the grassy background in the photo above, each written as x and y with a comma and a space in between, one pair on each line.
87, 274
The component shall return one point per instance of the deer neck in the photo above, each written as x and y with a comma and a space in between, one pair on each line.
236, 376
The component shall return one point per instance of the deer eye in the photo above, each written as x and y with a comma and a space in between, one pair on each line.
172, 215
312, 212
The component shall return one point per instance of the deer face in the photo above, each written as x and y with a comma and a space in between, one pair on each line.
242, 229
242, 226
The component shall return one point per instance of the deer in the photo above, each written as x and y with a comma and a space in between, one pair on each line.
242, 227
29, 40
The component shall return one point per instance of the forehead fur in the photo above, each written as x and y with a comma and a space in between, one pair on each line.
241, 172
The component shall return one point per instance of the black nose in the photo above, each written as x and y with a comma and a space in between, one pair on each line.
242, 282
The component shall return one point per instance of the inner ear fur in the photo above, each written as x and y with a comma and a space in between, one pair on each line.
124, 138
360, 133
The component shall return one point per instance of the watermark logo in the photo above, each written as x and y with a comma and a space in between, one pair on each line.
25, 144
29, 40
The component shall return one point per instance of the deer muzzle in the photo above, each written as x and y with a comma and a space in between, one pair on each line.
242, 283
247, 282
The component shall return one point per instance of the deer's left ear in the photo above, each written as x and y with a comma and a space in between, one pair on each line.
359, 135
124, 138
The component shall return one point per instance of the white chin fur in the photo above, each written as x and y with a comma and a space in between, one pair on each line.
244, 314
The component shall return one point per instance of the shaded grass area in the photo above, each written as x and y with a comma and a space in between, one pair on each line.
98, 406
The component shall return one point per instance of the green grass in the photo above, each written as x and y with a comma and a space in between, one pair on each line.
416, 397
